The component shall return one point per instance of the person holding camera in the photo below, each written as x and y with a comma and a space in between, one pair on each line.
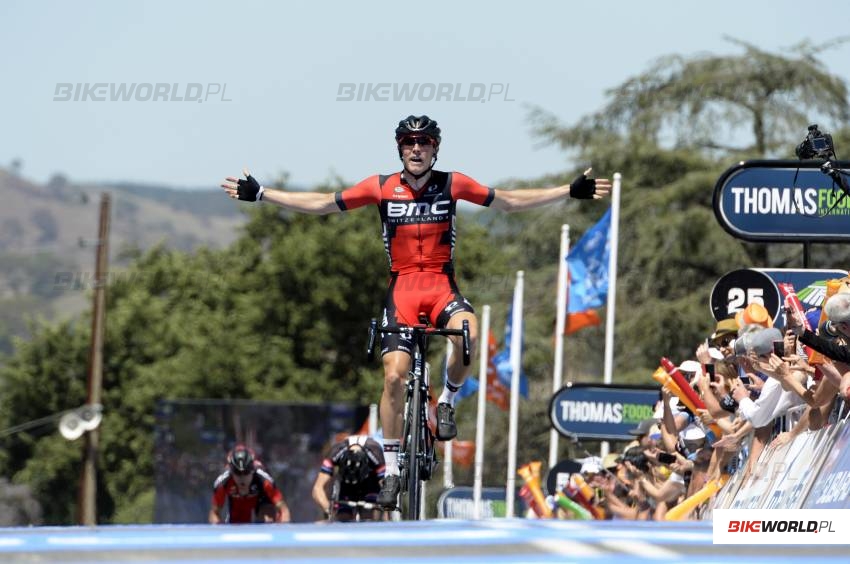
837, 310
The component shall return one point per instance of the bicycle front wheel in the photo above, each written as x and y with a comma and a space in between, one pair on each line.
414, 487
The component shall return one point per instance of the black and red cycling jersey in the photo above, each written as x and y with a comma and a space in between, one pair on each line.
242, 508
418, 225
369, 488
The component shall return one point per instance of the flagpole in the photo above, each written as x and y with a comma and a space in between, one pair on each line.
516, 360
612, 287
373, 419
483, 359
560, 324
448, 467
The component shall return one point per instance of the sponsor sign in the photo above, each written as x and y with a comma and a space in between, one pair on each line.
832, 488
458, 503
782, 201
597, 411
735, 290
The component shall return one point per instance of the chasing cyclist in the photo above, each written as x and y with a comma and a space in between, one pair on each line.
354, 469
417, 207
248, 492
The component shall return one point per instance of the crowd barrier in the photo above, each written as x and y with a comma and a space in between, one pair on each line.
812, 472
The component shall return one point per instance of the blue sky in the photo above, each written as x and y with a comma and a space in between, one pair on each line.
283, 64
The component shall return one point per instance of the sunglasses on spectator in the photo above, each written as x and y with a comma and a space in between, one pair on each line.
724, 340
421, 141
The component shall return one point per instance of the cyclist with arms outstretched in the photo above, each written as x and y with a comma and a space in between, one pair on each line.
417, 207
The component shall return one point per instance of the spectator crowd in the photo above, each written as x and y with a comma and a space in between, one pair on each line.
756, 386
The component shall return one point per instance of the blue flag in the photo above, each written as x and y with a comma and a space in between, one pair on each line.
470, 385
588, 262
502, 360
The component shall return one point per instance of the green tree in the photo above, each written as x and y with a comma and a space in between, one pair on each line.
671, 248
280, 315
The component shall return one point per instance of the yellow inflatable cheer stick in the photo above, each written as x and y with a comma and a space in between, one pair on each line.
587, 493
663, 377
530, 473
684, 509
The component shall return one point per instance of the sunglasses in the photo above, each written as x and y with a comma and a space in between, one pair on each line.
421, 141
724, 340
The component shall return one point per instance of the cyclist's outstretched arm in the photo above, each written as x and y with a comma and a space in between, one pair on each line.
319, 203
582, 188
248, 189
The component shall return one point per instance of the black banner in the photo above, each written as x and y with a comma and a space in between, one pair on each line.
193, 437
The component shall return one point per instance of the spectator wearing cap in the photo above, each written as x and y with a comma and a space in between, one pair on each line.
643, 434
754, 314
690, 369
592, 471
724, 334
591, 465
610, 462
793, 373
773, 401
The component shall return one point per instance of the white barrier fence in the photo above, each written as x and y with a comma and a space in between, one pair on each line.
812, 472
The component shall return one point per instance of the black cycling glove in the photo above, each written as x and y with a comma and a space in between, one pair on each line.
583, 188
249, 189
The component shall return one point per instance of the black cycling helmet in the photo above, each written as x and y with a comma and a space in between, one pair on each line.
418, 125
241, 460
354, 466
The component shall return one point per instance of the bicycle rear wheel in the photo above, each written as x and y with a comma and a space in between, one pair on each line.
414, 490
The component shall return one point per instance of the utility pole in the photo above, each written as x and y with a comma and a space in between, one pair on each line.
88, 480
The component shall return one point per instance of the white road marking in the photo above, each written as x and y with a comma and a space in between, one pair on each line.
640, 548
247, 537
11, 542
387, 536
567, 548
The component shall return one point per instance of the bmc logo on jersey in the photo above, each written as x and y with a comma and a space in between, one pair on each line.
418, 209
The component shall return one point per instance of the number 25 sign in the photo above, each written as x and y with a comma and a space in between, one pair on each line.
739, 288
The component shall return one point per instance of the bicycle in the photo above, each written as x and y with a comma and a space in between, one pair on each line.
360, 510
417, 456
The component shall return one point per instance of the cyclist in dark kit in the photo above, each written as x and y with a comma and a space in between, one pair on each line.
417, 207
353, 468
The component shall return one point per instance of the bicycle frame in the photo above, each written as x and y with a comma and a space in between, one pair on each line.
417, 457
372, 511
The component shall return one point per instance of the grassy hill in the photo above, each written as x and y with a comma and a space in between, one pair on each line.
48, 232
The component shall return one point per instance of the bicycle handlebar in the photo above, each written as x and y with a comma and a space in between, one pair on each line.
419, 329
361, 504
